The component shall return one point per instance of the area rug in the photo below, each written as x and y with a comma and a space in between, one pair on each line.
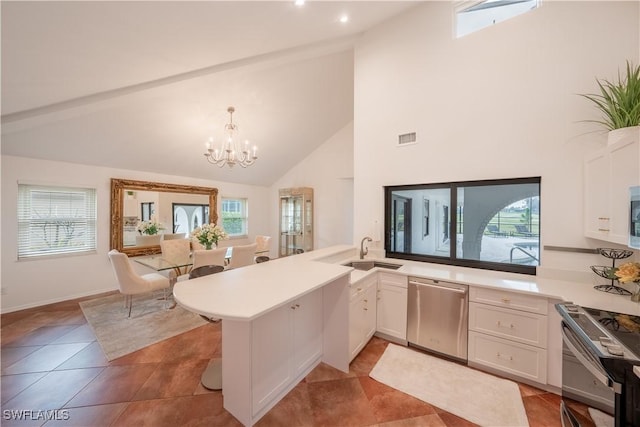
600, 419
475, 396
150, 322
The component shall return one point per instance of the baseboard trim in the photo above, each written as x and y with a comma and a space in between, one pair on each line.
6, 310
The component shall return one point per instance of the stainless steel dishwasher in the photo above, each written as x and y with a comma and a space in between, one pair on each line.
438, 314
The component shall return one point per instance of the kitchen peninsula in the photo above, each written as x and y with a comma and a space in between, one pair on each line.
280, 319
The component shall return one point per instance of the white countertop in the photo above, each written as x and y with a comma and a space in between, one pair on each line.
248, 292
579, 293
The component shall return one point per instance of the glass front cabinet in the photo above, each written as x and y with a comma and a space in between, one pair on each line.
296, 220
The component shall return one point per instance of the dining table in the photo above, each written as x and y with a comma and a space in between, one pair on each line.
159, 263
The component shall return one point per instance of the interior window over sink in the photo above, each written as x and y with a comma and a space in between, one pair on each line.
492, 224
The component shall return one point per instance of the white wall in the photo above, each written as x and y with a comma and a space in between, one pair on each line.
30, 283
329, 171
499, 103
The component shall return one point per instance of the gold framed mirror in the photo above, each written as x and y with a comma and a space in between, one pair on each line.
123, 222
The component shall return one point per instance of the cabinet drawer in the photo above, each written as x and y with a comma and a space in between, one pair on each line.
393, 279
514, 358
363, 284
513, 300
524, 327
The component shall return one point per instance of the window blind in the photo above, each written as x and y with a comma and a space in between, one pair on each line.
55, 220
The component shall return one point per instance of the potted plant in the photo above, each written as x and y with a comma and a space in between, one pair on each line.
619, 102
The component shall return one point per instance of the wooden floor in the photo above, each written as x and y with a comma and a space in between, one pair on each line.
52, 361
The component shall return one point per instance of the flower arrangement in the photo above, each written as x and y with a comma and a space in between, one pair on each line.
628, 272
149, 227
209, 235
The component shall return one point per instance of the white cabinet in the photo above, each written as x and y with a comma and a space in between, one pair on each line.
608, 174
392, 306
286, 342
508, 333
362, 314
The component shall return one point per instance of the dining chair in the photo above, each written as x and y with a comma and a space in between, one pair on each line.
242, 255
173, 236
205, 270
131, 283
215, 256
176, 251
263, 244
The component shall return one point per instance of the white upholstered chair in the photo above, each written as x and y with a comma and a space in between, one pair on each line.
176, 251
242, 255
131, 283
203, 257
263, 245
173, 236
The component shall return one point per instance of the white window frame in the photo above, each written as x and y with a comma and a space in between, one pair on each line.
244, 215
461, 6
42, 226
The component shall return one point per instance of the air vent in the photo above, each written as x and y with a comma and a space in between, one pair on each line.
407, 138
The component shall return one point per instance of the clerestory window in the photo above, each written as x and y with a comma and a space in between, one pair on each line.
471, 16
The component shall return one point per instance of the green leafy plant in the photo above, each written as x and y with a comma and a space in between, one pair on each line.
619, 101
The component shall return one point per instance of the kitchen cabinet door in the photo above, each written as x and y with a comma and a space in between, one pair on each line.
609, 172
392, 308
597, 180
286, 341
370, 312
362, 314
271, 366
307, 331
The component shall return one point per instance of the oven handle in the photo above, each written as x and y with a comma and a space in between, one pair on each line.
595, 370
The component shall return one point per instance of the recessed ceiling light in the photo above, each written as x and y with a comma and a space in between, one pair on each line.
344, 19
299, 2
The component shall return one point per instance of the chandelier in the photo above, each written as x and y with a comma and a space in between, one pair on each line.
228, 153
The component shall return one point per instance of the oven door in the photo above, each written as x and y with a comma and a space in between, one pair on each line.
583, 379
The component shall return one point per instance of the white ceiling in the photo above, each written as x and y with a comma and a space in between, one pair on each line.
142, 85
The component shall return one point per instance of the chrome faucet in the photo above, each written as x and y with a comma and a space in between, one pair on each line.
364, 251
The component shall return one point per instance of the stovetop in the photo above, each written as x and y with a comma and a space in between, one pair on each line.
625, 328
612, 335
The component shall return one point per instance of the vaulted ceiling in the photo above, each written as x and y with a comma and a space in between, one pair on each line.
142, 85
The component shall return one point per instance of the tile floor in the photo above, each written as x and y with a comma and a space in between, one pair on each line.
50, 359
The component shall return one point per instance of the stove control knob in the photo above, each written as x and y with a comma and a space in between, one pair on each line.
572, 308
615, 349
605, 341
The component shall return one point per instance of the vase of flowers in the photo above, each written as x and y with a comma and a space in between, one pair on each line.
630, 273
149, 228
208, 235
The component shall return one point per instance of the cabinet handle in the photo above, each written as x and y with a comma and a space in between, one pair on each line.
364, 300
358, 289
297, 305
293, 307
499, 323
603, 218
500, 356
365, 309
603, 229
506, 300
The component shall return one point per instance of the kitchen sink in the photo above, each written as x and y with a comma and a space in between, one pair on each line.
368, 265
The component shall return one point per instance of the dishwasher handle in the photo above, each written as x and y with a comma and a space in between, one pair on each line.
444, 288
